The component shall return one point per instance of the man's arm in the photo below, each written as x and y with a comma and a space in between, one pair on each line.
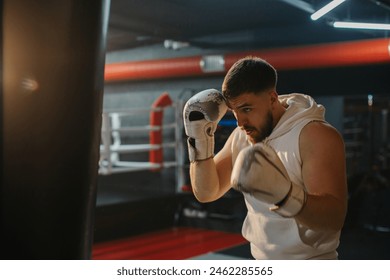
210, 178
209, 175
324, 176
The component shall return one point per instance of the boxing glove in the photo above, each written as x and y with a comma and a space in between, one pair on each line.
201, 115
259, 171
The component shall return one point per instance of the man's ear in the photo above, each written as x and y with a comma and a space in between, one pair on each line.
274, 96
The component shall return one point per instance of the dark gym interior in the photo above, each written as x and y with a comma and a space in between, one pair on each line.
94, 160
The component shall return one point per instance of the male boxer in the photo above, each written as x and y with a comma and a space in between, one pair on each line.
288, 162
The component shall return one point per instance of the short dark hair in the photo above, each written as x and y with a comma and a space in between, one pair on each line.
249, 75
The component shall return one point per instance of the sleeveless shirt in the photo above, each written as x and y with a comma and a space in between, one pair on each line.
270, 235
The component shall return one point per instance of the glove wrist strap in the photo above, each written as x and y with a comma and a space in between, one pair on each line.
200, 149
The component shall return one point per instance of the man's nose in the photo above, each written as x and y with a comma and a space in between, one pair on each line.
241, 120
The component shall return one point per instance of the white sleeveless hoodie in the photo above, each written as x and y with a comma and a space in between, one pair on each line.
270, 235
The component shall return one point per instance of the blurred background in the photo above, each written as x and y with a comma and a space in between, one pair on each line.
182, 47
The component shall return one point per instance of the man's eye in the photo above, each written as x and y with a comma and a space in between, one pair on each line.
246, 110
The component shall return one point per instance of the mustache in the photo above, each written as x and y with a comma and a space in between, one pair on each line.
245, 127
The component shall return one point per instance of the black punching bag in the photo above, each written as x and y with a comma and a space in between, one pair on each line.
52, 80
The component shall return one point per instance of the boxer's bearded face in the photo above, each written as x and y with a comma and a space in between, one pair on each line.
254, 115
258, 134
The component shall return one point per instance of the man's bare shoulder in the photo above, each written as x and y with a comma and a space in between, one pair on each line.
320, 135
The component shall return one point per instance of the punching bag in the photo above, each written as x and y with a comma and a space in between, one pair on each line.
52, 69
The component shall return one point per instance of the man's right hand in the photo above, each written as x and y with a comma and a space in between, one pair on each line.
201, 115
259, 171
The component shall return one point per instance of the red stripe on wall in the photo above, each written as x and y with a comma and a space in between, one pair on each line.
350, 53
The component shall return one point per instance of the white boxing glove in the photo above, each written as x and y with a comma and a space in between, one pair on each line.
259, 171
201, 115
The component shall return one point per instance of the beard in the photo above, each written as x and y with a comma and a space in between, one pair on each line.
260, 133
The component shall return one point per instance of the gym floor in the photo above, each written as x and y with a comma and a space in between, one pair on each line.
175, 244
140, 224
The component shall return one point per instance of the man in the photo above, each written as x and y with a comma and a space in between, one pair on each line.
285, 158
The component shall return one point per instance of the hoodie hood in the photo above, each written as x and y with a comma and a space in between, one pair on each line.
300, 108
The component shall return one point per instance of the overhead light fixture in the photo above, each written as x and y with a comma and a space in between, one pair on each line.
361, 25
326, 9
175, 45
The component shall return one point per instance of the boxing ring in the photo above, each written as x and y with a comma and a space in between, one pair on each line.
114, 129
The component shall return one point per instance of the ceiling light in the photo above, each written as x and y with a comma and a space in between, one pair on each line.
361, 25
175, 45
326, 9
